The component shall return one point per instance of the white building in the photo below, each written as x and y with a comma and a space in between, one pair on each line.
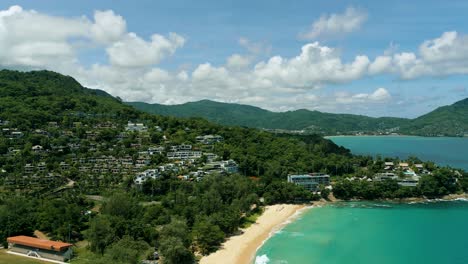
137, 127
142, 177
310, 181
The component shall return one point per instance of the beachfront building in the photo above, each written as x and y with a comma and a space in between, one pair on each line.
310, 181
40, 248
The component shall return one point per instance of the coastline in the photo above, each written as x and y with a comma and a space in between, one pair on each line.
242, 248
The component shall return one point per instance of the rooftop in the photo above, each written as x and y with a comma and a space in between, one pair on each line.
39, 243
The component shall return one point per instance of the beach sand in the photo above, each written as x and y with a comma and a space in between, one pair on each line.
241, 249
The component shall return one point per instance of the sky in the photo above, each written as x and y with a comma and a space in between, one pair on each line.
376, 58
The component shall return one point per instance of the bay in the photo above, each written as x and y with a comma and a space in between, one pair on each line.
442, 150
370, 232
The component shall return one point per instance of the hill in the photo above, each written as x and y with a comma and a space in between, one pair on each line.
250, 116
445, 121
182, 184
31, 99
450, 120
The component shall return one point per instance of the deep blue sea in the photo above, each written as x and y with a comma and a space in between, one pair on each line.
442, 150
373, 233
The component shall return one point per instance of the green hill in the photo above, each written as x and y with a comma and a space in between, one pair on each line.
250, 116
30, 99
451, 120
448, 120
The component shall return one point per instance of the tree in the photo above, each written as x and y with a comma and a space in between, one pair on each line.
121, 205
100, 234
173, 251
127, 250
207, 236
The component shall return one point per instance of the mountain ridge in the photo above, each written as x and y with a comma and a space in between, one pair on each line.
435, 123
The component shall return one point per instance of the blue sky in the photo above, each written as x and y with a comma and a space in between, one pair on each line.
280, 56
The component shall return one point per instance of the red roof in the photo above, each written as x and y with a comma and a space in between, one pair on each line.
39, 243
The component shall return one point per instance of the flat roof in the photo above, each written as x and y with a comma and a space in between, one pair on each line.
39, 243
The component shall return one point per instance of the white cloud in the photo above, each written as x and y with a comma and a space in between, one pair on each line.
336, 24
29, 39
237, 61
379, 95
108, 27
442, 56
133, 51
316, 65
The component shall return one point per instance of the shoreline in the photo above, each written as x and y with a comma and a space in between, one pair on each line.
242, 248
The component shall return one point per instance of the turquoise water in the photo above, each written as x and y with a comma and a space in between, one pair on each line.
442, 150
373, 233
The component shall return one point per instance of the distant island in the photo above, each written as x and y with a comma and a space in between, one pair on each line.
451, 120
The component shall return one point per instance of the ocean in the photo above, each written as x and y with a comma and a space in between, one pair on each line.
371, 232
442, 150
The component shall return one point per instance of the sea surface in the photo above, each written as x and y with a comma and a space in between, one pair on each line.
373, 233
442, 150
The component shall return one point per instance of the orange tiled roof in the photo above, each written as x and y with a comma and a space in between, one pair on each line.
39, 243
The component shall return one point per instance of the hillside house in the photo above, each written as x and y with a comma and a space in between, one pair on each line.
403, 165
136, 127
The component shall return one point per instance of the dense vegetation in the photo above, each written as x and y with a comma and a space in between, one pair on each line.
123, 222
448, 120
250, 116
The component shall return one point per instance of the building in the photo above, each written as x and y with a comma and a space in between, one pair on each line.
385, 176
310, 181
209, 139
40, 248
403, 165
138, 127
146, 175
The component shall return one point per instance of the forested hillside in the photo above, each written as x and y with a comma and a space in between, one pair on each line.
250, 116
449, 120
446, 121
78, 164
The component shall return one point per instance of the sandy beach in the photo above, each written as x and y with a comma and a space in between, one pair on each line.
241, 249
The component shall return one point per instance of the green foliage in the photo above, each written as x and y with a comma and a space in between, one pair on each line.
100, 234
207, 236
442, 182
126, 250
250, 116
451, 120
174, 251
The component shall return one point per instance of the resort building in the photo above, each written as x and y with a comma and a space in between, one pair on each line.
136, 127
310, 181
40, 248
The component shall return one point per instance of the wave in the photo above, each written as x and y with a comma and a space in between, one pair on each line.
279, 229
263, 259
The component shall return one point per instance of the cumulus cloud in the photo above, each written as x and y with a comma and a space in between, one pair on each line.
26, 38
133, 51
442, 56
29, 39
336, 24
379, 95
237, 61
315, 66
108, 26
131, 70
